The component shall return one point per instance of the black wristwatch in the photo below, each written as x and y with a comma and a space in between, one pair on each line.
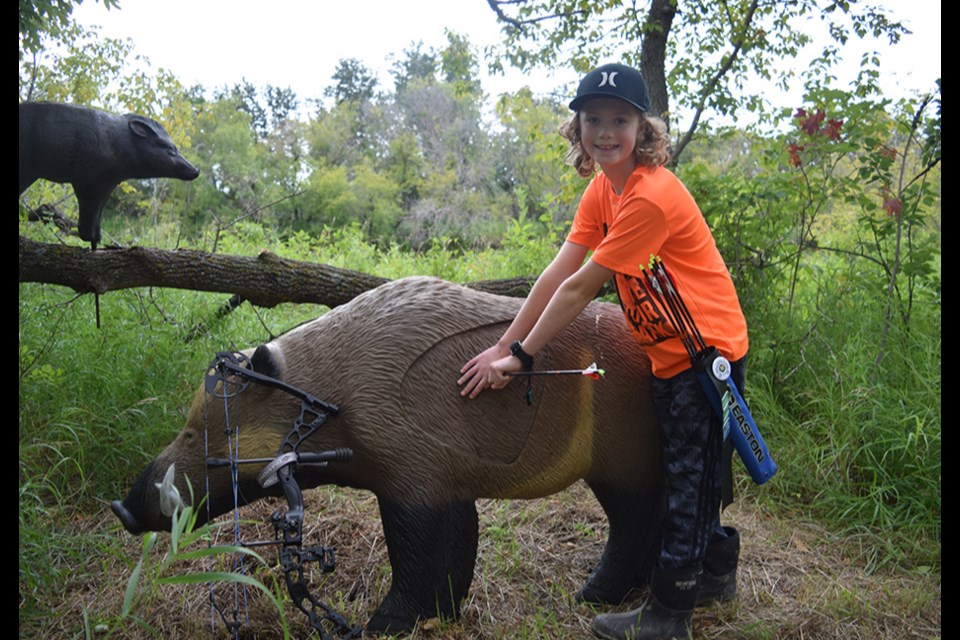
516, 350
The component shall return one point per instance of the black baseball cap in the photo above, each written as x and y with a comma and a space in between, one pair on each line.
613, 81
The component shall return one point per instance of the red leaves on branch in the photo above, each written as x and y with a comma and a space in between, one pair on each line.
891, 204
795, 150
833, 129
815, 126
812, 125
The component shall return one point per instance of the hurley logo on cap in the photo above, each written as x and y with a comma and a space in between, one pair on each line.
609, 78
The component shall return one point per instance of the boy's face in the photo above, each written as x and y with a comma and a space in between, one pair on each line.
608, 132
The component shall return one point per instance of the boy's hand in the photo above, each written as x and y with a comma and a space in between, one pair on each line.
476, 372
497, 377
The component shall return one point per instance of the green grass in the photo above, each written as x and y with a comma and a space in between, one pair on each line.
858, 447
859, 442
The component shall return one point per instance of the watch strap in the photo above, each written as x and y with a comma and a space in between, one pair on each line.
516, 349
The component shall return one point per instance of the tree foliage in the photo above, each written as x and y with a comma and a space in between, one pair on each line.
416, 64
696, 55
42, 18
850, 193
353, 82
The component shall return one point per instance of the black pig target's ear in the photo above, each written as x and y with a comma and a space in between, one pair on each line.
142, 127
264, 362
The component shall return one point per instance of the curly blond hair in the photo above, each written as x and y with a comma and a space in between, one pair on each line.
652, 148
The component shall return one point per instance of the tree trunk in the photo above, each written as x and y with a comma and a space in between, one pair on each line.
266, 280
653, 53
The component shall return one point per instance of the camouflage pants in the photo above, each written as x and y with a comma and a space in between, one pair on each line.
693, 452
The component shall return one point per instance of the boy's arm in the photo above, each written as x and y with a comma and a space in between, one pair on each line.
567, 261
564, 306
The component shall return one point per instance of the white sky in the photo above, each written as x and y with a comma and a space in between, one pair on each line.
297, 43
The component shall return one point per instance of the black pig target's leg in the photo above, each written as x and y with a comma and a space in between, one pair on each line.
432, 552
632, 547
90, 200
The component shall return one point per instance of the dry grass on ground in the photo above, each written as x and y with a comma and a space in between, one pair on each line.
795, 580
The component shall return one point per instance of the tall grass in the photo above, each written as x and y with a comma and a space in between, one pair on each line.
97, 404
858, 438
858, 446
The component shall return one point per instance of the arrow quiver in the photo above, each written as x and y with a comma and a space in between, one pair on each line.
713, 372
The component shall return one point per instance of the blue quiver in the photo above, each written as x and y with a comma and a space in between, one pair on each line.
713, 372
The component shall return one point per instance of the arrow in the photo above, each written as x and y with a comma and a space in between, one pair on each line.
591, 372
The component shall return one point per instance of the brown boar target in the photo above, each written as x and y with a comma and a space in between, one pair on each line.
390, 360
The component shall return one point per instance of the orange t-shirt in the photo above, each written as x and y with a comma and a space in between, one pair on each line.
657, 216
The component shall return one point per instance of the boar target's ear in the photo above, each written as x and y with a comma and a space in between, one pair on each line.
265, 362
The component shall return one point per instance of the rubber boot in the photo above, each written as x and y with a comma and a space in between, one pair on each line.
666, 614
719, 580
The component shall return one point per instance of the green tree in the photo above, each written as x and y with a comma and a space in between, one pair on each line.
347, 133
268, 107
416, 64
42, 18
353, 82
530, 157
229, 161
283, 104
406, 167
459, 65
82, 71
338, 197
245, 96
700, 54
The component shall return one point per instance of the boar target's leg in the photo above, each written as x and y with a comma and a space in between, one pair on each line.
432, 552
631, 547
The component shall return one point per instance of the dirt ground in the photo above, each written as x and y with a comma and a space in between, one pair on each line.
795, 580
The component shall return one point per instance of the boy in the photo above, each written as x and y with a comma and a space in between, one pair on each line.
632, 210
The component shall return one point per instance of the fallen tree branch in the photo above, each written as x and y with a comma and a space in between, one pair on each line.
265, 280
